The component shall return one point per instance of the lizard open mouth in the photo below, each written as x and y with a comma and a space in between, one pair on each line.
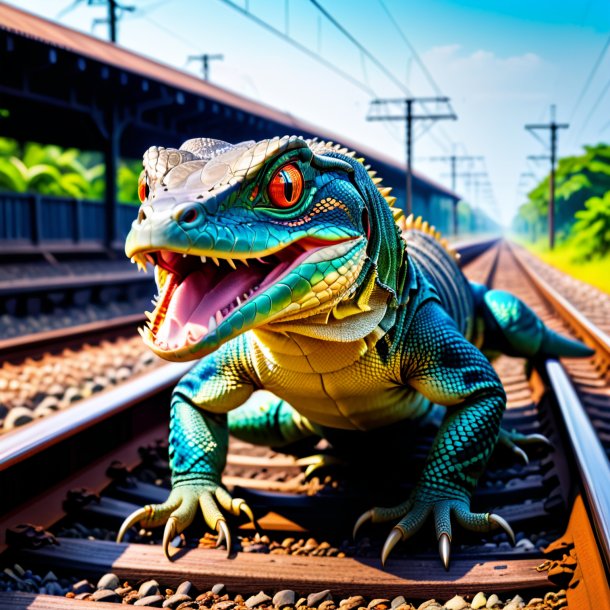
197, 293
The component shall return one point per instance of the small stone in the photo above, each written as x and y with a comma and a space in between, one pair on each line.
218, 589
84, 586
106, 595
148, 588
301, 602
535, 601
456, 603
398, 601
108, 581
288, 542
405, 606
379, 603
515, 603
82, 596
175, 600
186, 588
315, 599
256, 548
256, 600
123, 591
188, 605
225, 605
356, 601
49, 577
19, 570
478, 601
284, 598
17, 416
430, 604
525, 544
492, 600
329, 604
156, 601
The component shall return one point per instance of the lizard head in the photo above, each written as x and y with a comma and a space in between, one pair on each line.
256, 234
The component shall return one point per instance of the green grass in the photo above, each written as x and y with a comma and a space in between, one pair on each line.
595, 272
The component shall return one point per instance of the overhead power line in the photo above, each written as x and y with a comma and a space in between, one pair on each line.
362, 48
590, 78
407, 115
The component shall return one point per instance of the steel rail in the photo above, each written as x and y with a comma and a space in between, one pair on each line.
33, 344
22, 443
591, 460
591, 334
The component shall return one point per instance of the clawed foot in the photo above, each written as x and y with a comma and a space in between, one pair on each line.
179, 510
315, 463
416, 510
515, 442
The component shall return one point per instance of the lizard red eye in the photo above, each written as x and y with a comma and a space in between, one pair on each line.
286, 186
143, 189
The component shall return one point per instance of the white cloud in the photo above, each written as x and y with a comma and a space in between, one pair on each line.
485, 76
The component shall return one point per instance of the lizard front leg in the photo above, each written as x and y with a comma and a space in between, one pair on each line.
440, 364
198, 442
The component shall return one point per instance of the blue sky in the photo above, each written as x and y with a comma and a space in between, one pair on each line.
502, 63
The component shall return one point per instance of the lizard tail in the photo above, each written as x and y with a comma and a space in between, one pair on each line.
554, 344
511, 327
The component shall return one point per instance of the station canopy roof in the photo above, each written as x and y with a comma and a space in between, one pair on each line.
49, 67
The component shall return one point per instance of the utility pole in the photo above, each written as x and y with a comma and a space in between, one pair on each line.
409, 117
113, 15
468, 176
553, 127
205, 59
454, 160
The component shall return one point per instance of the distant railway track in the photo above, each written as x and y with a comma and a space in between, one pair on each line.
538, 499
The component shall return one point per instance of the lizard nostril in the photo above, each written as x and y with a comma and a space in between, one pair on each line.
142, 214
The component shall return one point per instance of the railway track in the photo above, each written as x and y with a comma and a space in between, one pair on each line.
553, 494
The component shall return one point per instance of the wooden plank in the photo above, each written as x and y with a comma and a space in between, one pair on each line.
31, 601
250, 572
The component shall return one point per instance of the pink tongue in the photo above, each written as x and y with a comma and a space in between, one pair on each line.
196, 300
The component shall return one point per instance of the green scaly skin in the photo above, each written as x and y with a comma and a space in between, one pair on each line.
348, 331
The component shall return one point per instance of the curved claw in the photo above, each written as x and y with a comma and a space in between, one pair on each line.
244, 508
538, 438
223, 534
392, 540
521, 454
363, 518
444, 549
135, 517
501, 522
168, 535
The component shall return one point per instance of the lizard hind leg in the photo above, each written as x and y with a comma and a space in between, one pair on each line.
513, 328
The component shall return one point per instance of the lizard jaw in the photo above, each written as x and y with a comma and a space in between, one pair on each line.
206, 300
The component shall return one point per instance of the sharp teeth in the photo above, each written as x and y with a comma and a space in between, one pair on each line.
230, 261
218, 317
244, 296
215, 261
238, 300
149, 315
203, 259
149, 324
142, 332
184, 256
133, 260
245, 262
212, 324
141, 266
